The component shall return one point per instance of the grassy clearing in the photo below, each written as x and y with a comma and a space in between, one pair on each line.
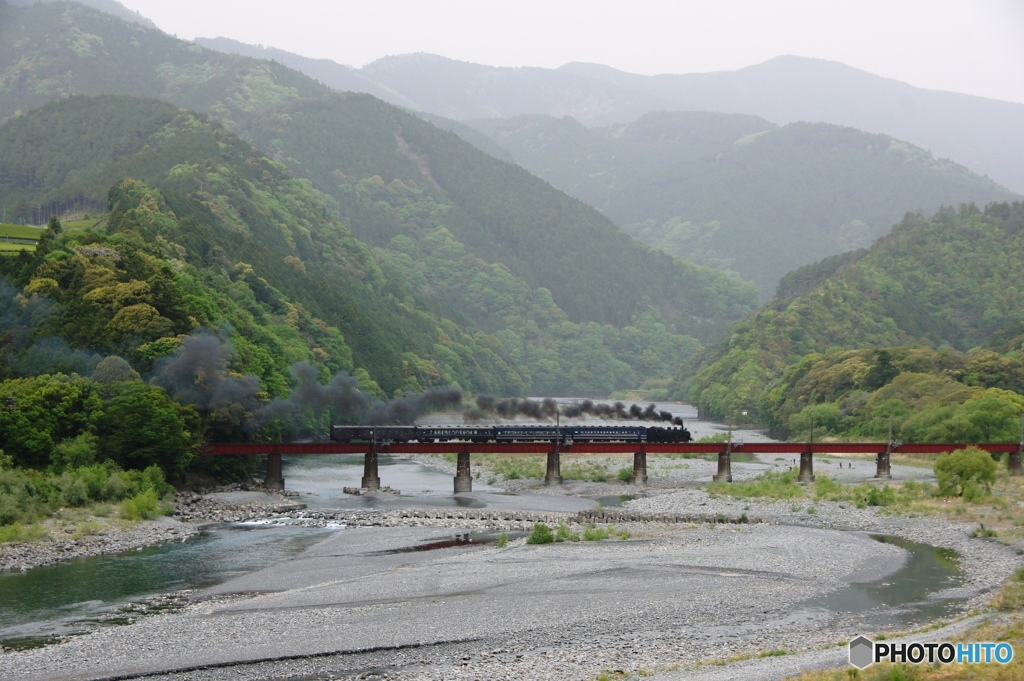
20, 231
582, 467
13, 248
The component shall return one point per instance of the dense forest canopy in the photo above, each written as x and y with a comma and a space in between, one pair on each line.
932, 315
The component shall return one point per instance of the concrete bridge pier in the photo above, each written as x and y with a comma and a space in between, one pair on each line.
1013, 462
724, 466
639, 476
463, 475
882, 469
554, 472
371, 479
275, 477
806, 466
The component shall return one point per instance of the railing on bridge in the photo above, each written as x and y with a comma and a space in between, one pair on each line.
724, 450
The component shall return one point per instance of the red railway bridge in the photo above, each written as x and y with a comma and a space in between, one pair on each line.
464, 480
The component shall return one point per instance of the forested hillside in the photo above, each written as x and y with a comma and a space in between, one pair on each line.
592, 270
422, 312
737, 193
928, 319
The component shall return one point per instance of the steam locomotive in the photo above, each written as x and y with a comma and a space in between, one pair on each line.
565, 435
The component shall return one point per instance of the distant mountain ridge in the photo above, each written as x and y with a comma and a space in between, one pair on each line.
736, 192
985, 135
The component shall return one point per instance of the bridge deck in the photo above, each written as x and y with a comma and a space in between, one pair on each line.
291, 448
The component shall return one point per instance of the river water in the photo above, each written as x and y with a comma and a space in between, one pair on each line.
74, 597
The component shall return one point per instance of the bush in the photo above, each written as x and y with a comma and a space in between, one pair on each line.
74, 453
502, 541
74, 492
594, 533
625, 474
967, 473
564, 533
541, 534
142, 506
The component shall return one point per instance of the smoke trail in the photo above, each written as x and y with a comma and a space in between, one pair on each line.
198, 375
548, 409
341, 395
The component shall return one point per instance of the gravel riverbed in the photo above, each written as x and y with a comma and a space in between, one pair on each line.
682, 590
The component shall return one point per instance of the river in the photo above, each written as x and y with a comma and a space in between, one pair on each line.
49, 602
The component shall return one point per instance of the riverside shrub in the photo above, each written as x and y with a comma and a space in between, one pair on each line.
541, 534
967, 473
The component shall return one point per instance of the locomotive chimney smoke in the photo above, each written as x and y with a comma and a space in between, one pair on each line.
405, 410
197, 374
548, 409
341, 395
511, 407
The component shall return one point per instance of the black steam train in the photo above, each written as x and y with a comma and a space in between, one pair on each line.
565, 435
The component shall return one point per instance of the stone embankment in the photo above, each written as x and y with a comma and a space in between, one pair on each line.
492, 519
225, 507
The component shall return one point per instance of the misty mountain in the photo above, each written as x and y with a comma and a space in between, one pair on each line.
737, 192
983, 134
478, 241
111, 7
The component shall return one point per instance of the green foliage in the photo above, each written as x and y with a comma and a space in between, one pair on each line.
502, 540
143, 506
771, 485
937, 283
27, 496
967, 473
564, 533
541, 534
594, 533
624, 474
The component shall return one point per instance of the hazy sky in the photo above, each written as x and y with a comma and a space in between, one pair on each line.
972, 46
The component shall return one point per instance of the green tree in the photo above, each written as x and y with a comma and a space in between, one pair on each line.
965, 473
142, 426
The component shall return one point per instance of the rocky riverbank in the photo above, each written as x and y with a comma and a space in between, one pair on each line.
102, 536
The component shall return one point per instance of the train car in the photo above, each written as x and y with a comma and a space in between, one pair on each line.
454, 434
606, 433
528, 433
381, 434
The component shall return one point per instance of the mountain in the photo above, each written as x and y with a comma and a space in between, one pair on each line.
111, 7
982, 134
480, 242
234, 239
948, 283
985, 135
737, 192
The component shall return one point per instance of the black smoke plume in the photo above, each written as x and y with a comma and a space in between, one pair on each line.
198, 374
548, 409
